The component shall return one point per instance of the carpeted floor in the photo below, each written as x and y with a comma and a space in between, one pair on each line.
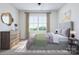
20, 49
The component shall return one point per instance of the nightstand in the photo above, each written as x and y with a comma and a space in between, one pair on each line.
73, 42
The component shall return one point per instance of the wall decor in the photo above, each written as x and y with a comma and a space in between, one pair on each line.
67, 15
7, 18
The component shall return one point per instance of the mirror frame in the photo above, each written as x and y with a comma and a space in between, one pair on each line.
10, 18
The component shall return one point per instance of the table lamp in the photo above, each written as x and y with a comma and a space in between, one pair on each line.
72, 33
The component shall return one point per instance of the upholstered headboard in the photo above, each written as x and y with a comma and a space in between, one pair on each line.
64, 28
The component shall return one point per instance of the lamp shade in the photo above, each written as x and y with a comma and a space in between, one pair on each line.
72, 32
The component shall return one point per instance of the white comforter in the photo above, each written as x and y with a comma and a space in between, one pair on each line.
58, 38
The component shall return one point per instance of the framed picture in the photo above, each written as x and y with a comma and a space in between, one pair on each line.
67, 15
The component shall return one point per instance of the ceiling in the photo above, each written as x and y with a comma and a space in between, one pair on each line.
36, 7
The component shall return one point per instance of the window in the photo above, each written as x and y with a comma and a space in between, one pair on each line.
37, 23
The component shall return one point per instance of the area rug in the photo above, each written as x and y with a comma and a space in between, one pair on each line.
22, 49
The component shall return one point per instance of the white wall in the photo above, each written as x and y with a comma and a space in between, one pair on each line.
74, 7
22, 23
53, 21
4, 7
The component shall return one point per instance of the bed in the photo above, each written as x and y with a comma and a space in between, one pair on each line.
49, 40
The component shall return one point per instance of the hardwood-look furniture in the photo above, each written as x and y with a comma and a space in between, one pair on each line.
73, 44
9, 39
77, 47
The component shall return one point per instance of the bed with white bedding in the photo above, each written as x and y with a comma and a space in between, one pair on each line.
47, 41
50, 41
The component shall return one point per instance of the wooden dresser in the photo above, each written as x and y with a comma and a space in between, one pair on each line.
8, 39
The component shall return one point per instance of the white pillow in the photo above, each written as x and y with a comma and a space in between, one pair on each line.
55, 38
62, 38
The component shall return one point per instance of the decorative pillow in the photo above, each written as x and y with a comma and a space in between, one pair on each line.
65, 32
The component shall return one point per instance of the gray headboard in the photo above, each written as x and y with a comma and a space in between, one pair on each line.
64, 28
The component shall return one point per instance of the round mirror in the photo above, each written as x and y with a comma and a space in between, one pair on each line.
6, 18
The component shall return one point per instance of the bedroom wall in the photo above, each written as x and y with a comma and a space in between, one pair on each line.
4, 7
74, 15
53, 21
